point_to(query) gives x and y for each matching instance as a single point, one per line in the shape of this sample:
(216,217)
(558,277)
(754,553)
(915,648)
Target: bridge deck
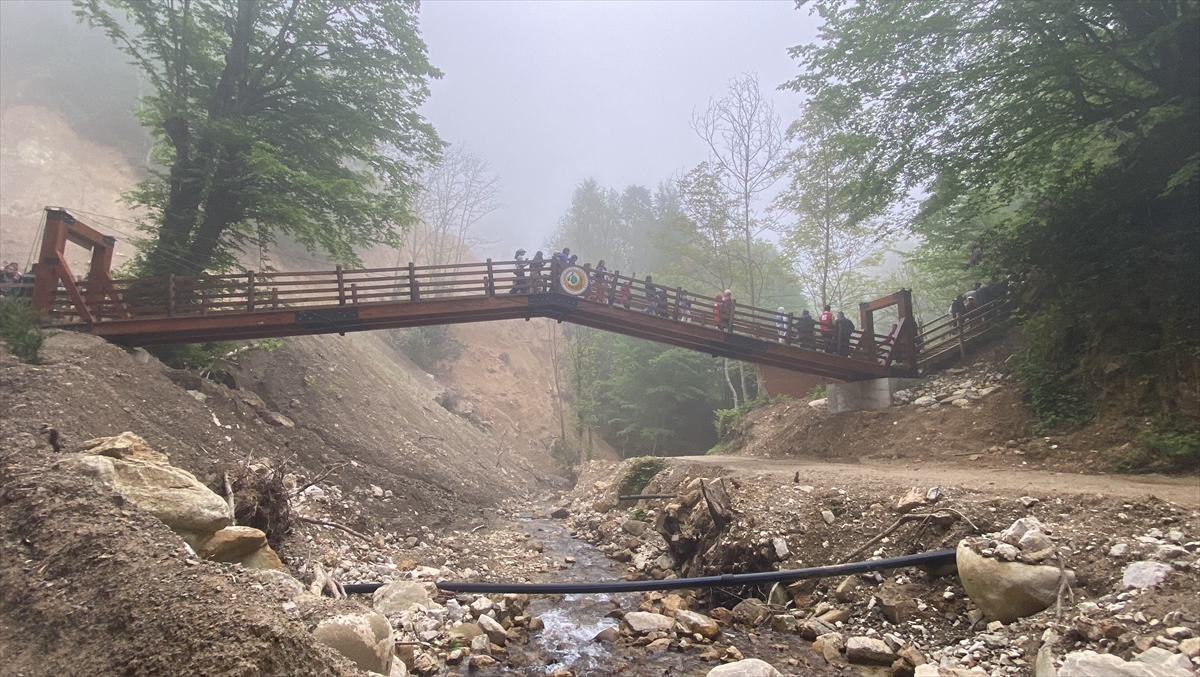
(156,311)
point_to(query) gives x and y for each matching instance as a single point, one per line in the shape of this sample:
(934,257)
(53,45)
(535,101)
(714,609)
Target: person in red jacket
(826,322)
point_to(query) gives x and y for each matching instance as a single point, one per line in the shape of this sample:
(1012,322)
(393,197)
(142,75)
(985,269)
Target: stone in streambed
(750,667)
(693,623)
(1006,591)
(643,622)
(869,650)
(398,596)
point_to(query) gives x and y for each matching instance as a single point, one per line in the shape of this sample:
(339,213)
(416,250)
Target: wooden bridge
(251,305)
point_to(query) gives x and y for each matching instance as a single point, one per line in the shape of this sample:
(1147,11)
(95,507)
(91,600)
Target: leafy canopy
(274,116)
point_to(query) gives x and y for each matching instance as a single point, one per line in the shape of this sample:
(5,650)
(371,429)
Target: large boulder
(398,596)
(750,667)
(171,494)
(1092,664)
(365,638)
(1006,591)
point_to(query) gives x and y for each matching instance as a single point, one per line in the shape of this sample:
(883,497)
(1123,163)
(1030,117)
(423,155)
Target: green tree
(274,117)
(656,400)
(1059,142)
(835,234)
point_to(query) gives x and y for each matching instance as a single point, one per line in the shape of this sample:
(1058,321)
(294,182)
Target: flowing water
(572,621)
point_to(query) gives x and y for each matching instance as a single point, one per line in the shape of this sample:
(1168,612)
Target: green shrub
(640,472)
(427,346)
(728,419)
(818,392)
(565,454)
(206,358)
(1048,370)
(19,330)
(1166,446)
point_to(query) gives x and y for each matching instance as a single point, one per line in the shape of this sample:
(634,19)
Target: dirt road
(1182,490)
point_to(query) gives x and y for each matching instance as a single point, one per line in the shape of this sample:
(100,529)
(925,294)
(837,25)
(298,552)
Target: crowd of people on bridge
(964,305)
(830,333)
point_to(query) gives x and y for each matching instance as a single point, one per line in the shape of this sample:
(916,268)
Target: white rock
(642,622)
(493,629)
(1034,540)
(815,404)
(1142,575)
(750,667)
(364,638)
(925,401)
(1159,656)
(1012,535)
(693,623)
(827,516)
(480,606)
(781,548)
(1092,664)
(869,650)
(171,494)
(398,596)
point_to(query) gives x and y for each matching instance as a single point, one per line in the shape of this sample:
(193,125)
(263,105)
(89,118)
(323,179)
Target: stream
(572,621)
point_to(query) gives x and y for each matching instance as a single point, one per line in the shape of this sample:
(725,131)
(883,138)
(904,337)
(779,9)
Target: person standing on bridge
(685,307)
(724,314)
(844,328)
(781,323)
(625,294)
(651,297)
(520,284)
(826,321)
(600,283)
(536,264)
(804,330)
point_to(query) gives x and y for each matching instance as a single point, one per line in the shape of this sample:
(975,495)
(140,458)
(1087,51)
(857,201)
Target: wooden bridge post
(341,283)
(250,292)
(489,287)
(612,287)
(171,295)
(414,294)
(275,298)
(354,293)
(675,313)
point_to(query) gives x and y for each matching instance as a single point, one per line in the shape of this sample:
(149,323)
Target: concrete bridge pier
(866,395)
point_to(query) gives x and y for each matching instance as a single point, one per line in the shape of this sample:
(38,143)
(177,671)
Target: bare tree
(746,146)
(454,194)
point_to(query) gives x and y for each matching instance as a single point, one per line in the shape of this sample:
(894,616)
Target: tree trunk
(742,375)
(729,382)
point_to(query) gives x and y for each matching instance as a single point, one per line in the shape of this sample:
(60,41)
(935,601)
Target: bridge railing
(945,334)
(254,291)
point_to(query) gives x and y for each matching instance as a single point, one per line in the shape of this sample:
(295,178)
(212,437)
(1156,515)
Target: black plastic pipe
(638,497)
(937,557)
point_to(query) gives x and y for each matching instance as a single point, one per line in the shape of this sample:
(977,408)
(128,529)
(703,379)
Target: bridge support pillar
(866,395)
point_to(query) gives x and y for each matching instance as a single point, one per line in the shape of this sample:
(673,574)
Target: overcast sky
(552,93)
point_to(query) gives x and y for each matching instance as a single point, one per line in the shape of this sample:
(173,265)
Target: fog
(553,93)
(550,93)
